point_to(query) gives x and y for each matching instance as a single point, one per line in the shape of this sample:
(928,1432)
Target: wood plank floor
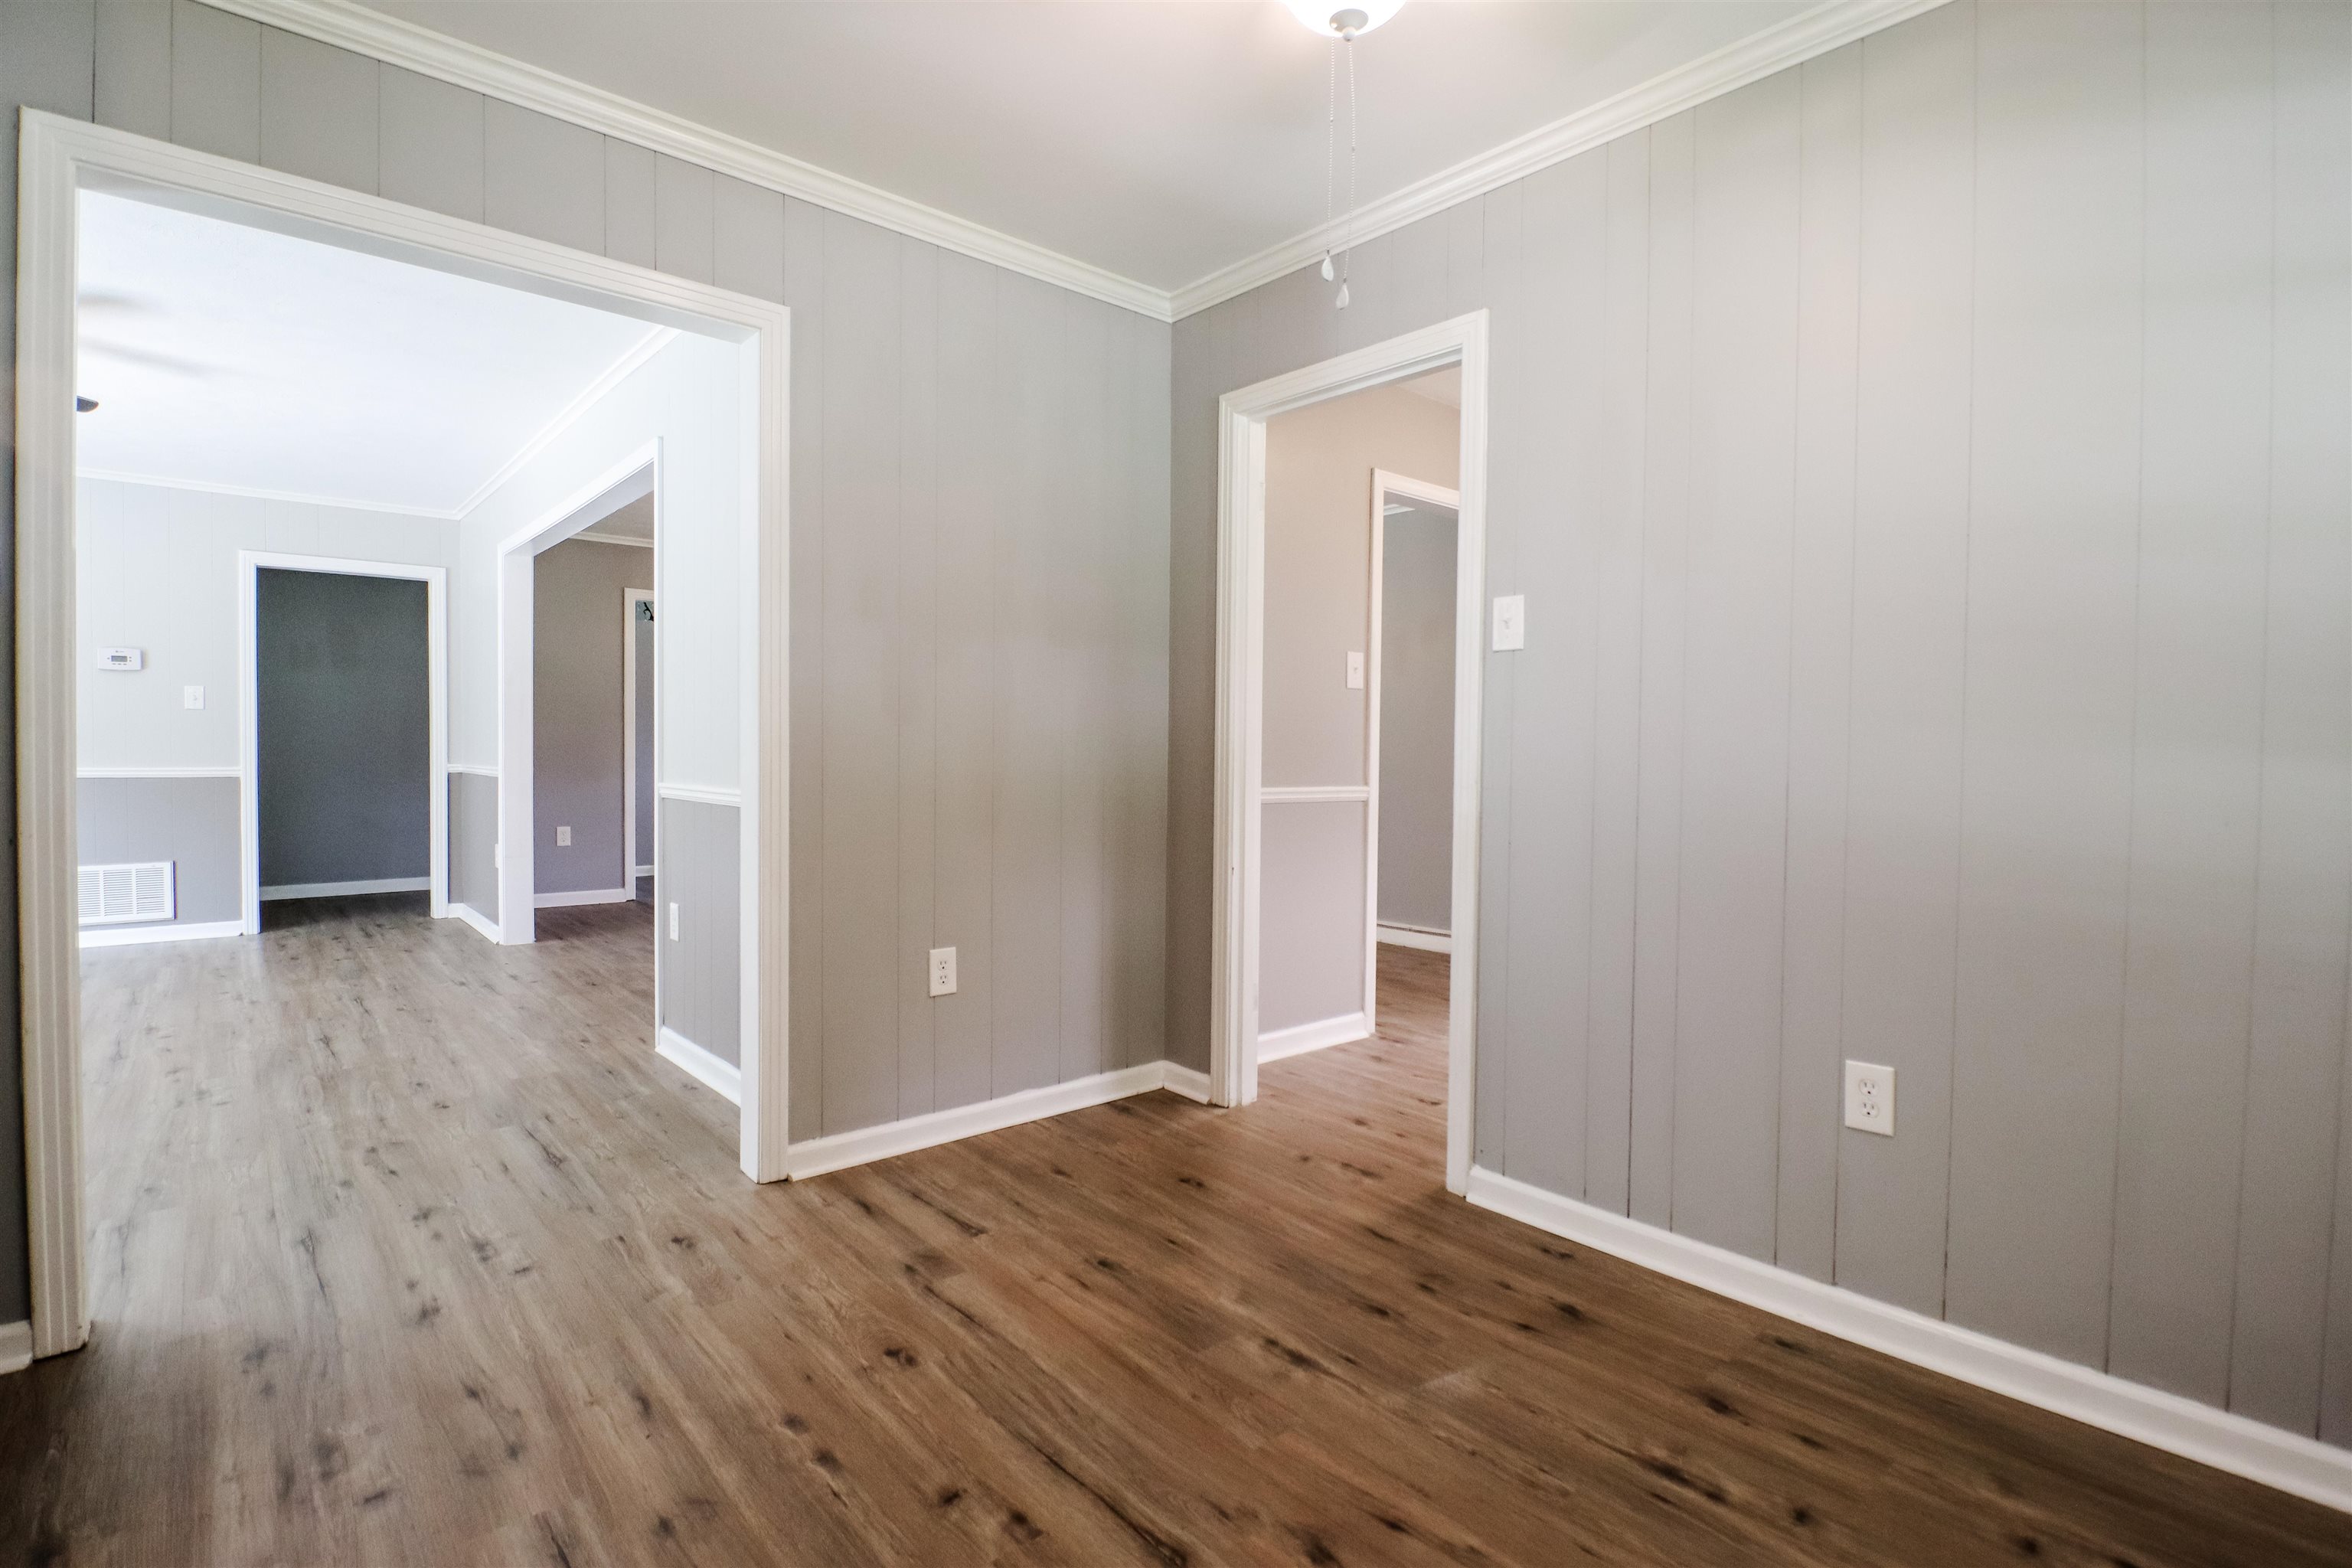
(408,1250)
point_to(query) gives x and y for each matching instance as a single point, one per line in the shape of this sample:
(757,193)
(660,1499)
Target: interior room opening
(1356,796)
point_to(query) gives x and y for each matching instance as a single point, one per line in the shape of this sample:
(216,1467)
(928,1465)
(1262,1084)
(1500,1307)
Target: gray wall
(969,448)
(1931,473)
(474,842)
(578,636)
(642,632)
(194,823)
(343,732)
(1417,573)
(701,972)
(1319,608)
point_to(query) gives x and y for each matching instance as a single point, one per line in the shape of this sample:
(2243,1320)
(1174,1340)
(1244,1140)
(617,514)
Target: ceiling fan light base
(1329,20)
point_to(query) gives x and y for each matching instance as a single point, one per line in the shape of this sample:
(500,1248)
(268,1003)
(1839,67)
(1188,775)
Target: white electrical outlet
(1869,1098)
(563,838)
(192,697)
(1510,623)
(1354,671)
(943,980)
(673,923)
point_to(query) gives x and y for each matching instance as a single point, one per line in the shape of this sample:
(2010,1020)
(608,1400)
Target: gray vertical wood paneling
(1029,694)
(543,176)
(318,113)
(1665,526)
(2197,724)
(1509,368)
(2294,1126)
(1619,470)
(1737,629)
(801,270)
(1820,645)
(632,205)
(859,474)
(1139,860)
(685,226)
(431,136)
(916,620)
(1560,224)
(1196,377)
(135,66)
(749,248)
(215,81)
(1910,565)
(1080,579)
(2046,778)
(968,658)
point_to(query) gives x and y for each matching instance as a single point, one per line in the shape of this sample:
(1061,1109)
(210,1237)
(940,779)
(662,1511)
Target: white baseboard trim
(2276,1458)
(134,936)
(346,889)
(478,920)
(1187,1081)
(819,1155)
(1414,936)
(15,1346)
(592,896)
(697,1063)
(1314,1036)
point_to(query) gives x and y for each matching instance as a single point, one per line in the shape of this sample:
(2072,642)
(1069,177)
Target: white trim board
(708,795)
(587,896)
(479,770)
(1300,1038)
(139,936)
(396,42)
(347,889)
(1313,795)
(704,1066)
(349,25)
(1414,937)
(473,917)
(229,773)
(15,1346)
(1189,1082)
(818,1155)
(2276,1458)
(1802,37)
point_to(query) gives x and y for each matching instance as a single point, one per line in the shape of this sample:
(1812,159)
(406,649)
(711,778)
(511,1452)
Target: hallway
(409,1251)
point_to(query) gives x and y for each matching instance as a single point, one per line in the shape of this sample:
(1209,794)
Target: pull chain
(1331,141)
(1348,236)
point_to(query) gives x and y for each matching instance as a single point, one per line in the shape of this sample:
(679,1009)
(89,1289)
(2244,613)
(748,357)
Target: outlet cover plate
(1869,1098)
(943,972)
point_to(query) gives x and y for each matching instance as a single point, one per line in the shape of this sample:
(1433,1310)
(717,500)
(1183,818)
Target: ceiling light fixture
(1343,27)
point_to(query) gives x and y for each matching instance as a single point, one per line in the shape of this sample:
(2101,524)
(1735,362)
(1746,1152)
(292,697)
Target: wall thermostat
(121,658)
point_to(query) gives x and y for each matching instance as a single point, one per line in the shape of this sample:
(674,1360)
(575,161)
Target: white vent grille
(117,895)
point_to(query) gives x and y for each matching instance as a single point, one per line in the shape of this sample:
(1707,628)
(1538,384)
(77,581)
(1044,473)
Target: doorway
(1252,650)
(345,728)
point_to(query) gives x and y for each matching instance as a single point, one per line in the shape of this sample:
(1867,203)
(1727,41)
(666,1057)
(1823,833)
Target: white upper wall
(689,397)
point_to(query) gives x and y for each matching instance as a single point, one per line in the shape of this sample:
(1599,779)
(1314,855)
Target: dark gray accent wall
(1417,606)
(474,842)
(577,662)
(343,728)
(701,971)
(968,446)
(1929,470)
(193,823)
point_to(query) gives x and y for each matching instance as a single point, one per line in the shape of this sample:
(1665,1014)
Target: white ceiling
(1161,140)
(232,358)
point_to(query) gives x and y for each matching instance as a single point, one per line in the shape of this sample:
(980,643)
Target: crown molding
(396,42)
(1800,38)
(256,492)
(619,370)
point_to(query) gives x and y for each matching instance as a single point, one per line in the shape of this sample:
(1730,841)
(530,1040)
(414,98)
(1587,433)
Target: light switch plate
(1510,623)
(563,838)
(942,970)
(1869,1098)
(192,697)
(1354,671)
(673,923)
